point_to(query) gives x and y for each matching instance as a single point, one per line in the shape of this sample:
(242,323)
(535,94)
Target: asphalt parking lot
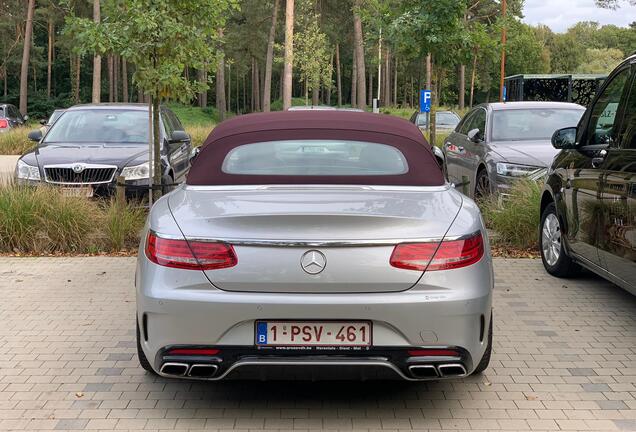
(564,359)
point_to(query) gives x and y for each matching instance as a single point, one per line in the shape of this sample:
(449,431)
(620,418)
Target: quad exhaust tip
(174,369)
(423,371)
(452,370)
(203,370)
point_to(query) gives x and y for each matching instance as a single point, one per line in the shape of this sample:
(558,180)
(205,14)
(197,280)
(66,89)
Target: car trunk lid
(314,239)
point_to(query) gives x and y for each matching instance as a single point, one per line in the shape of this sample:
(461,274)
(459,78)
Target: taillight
(446,255)
(433,352)
(4,123)
(190,255)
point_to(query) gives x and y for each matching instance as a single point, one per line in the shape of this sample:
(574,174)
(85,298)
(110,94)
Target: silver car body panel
(437,308)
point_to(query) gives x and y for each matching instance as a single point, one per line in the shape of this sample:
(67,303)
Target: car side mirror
(43,122)
(439,154)
(194,153)
(179,136)
(475,135)
(35,135)
(564,138)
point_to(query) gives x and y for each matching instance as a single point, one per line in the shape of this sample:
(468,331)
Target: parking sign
(425,101)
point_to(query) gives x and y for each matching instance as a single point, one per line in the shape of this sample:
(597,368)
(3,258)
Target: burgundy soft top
(315,124)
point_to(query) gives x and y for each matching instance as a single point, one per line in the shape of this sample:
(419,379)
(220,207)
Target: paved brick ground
(565,359)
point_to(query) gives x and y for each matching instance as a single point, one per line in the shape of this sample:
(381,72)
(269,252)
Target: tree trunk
(289,53)
(109,65)
(428,71)
(156,149)
(26,54)
(359,47)
(269,59)
(462,85)
(116,70)
(395,83)
(330,83)
(338,75)
(256,90)
(387,78)
(220,82)
(354,81)
(97,60)
(76,79)
(202,98)
(472,79)
(124,80)
(431,123)
(49,60)
(229,87)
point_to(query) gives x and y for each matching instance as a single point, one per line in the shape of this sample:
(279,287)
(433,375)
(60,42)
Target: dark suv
(85,151)
(10,117)
(588,208)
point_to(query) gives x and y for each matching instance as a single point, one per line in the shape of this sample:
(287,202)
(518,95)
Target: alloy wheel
(551,239)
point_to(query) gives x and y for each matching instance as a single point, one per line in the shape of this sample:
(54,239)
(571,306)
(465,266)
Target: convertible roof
(316,124)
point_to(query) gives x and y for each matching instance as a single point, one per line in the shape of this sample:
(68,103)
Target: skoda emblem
(78,168)
(313,262)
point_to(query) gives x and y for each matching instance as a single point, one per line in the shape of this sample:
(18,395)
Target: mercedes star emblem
(313,262)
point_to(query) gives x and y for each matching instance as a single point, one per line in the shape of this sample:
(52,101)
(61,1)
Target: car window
(465,123)
(628,130)
(601,127)
(315,158)
(532,124)
(421,119)
(446,119)
(167,123)
(2,113)
(176,123)
(119,126)
(478,121)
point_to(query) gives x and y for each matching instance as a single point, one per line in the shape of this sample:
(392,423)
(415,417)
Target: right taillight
(443,255)
(189,255)
(4,123)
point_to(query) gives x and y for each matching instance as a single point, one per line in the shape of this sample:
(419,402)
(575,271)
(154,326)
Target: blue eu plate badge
(261,333)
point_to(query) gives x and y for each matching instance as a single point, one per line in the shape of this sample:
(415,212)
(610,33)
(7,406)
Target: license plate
(313,333)
(79,191)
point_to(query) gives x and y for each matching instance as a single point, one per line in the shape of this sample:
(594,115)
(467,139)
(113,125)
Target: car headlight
(137,172)
(514,170)
(24,171)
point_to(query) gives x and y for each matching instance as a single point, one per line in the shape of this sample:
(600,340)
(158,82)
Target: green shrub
(40,220)
(122,226)
(15,141)
(515,218)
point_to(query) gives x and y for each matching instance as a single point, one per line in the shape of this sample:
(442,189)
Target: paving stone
(564,359)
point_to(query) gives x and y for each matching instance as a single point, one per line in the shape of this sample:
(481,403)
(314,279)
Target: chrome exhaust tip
(203,370)
(174,369)
(452,370)
(423,371)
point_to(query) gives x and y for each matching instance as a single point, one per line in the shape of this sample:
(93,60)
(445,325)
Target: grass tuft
(15,141)
(515,219)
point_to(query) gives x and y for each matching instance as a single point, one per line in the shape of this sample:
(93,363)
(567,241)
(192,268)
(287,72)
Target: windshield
(532,124)
(56,115)
(315,158)
(119,126)
(446,118)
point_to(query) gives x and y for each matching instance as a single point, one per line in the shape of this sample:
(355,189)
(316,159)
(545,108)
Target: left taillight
(4,123)
(189,255)
(445,255)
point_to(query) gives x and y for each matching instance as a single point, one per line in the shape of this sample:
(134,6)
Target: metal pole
(503,51)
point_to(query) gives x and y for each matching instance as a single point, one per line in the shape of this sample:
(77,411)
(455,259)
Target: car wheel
(553,254)
(482,185)
(167,181)
(485,359)
(143,361)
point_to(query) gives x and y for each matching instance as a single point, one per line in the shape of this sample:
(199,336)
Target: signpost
(425,101)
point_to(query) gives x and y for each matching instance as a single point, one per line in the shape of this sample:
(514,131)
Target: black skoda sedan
(89,146)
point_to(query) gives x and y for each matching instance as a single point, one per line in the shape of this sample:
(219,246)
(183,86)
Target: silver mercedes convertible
(314,245)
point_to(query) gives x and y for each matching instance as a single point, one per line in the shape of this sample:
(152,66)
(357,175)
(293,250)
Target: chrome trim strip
(314,243)
(294,187)
(86,166)
(372,362)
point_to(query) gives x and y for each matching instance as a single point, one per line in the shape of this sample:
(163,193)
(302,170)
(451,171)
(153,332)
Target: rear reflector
(189,255)
(4,123)
(433,353)
(193,351)
(446,255)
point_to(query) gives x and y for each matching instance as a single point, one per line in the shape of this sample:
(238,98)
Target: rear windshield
(532,124)
(315,158)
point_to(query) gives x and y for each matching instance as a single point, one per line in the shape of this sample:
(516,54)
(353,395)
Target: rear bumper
(445,309)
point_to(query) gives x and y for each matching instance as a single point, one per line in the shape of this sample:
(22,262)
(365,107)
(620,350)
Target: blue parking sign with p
(425,101)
